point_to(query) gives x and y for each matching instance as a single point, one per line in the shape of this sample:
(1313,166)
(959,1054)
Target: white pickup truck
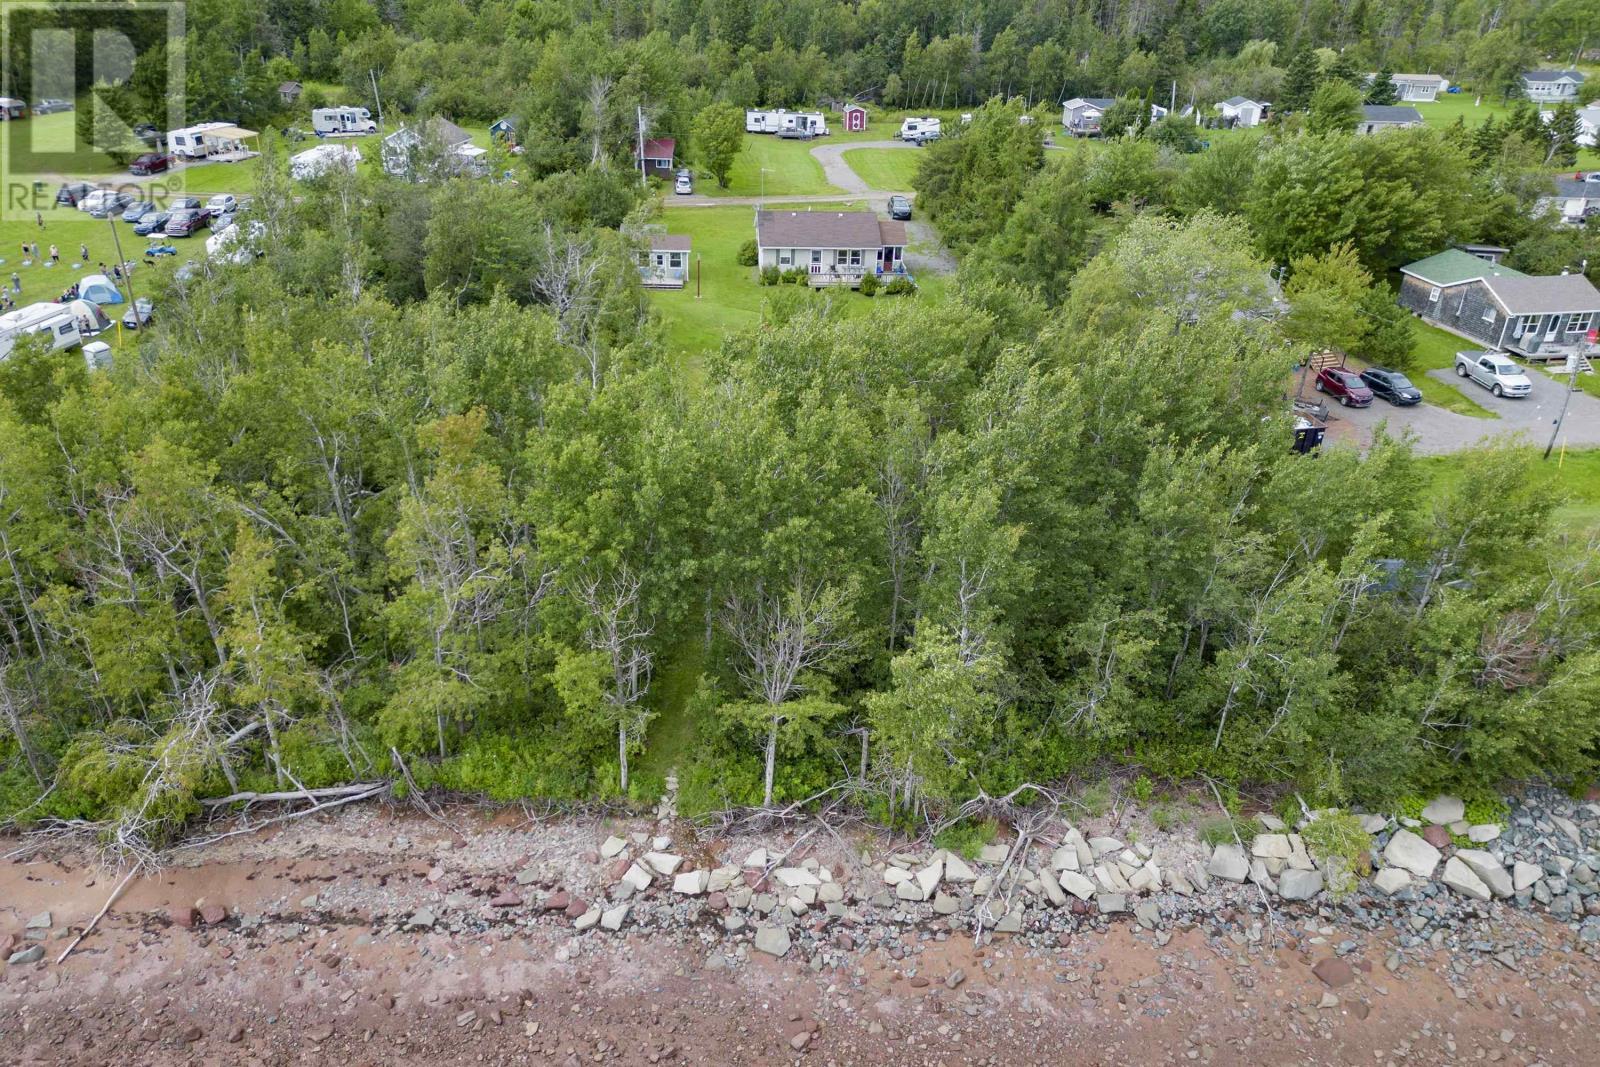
(1494,372)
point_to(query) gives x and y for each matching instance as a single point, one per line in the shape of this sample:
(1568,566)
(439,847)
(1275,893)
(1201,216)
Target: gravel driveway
(1439,431)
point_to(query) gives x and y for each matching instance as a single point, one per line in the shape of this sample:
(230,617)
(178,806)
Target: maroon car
(1344,384)
(152,163)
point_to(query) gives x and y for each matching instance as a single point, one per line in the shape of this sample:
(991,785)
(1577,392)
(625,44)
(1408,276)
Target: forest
(422,493)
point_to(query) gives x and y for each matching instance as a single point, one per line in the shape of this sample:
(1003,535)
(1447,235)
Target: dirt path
(378,937)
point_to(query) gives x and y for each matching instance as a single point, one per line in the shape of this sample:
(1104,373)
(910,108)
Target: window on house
(1433,295)
(1527,324)
(1488,314)
(785,257)
(816,257)
(1580,323)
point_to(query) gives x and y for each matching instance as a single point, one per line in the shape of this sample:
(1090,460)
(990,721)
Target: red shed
(855,118)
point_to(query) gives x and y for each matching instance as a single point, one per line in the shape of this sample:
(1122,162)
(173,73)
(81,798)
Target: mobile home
(53,320)
(342,120)
(191,142)
(777,120)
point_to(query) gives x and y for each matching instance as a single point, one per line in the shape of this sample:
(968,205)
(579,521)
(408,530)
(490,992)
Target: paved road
(1439,431)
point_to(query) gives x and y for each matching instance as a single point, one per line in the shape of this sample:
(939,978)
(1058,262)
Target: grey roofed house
(1573,200)
(1378,117)
(1539,318)
(1552,84)
(401,157)
(671,242)
(832,247)
(1235,101)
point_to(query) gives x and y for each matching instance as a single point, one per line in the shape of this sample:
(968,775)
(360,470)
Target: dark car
(137,210)
(185,203)
(72,192)
(184,224)
(152,163)
(110,205)
(1393,386)
(1344,384)
(49,106)
(899,207)
(152,222)
(139,314)
(148,133)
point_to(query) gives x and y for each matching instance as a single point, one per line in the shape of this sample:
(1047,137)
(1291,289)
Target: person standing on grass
(55,255)
(39,219)
(16,282)
(83,250)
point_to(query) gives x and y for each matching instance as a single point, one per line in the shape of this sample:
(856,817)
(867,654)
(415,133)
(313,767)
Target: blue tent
(100,289)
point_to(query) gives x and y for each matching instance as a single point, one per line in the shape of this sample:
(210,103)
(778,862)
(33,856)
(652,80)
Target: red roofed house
(657,157)
(855,118)
(834,247)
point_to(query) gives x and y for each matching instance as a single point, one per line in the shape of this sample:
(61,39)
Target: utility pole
(638,113)
(1572,385)
(376,99)
(125,270)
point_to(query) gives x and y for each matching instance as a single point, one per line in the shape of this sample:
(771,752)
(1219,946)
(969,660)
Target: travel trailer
(338,120)
(917,129)
(779,120)
(323,159)
(191,142)
(53,320)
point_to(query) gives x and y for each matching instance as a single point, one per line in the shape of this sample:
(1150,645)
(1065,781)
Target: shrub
(771,276)
(795,275)
(1096,799)
(1342,847)
(1164,818)
(966,837)
(1224,831)
(901,286)
(748,253)
(1143,789)
(869,284)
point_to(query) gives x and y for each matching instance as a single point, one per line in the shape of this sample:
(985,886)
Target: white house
(1239,111)
(1588,124)
(1574,201)
(1375,118)
(1081,115)
(1553,86)
(664,262)
(404,155)
(1416,88)
(833,247)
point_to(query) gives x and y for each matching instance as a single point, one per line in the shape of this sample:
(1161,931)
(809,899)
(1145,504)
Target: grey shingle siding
(1459,308)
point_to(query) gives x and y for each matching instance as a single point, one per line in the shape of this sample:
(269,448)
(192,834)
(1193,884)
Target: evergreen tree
(1302,79)
(1561,136)
(1486,141)
(1383,90)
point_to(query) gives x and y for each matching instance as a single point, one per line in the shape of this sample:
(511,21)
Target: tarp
(99,289)
(230,133)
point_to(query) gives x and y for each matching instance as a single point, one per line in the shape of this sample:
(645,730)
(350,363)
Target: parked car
(72,192)
(105,202)
(899,207)
(1344,385)
(222,204)
(185,203)
(1494,372)
(222,222)
(139,314)
(924,139)
(1393,386)
(49,105)
(152,163)
(148,133)
(186,222)
(137,210)
(1592,176)
(683,186)
(152,222)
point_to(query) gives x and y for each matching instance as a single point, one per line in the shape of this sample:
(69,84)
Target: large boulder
(1524,874)
(1444,810)
(1229,863)
(1408,851)
(773,940)
(1458,876)
(1489,870)
(1295,884)
(1271,847)
(1077,885)
(1391,880)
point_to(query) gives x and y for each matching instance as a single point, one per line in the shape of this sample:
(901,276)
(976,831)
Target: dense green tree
(1383,90)
(718,137)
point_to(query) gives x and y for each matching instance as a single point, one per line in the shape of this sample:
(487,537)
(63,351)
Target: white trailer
(55,321)
(342,120)
(812,122)
(915,129)
(191,142)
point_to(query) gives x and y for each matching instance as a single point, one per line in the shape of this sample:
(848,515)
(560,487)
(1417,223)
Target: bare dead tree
(617,630)
(595,102)
(16,697)
(569,277)
(781,635)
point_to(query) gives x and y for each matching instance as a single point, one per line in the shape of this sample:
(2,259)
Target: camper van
(337,120)
(926,128)
(191,142)
(53,320)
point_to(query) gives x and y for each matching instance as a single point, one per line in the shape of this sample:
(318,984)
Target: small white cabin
(342,120)
(55,321)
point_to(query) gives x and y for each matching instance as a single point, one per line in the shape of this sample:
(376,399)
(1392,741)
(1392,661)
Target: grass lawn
(790,170)
(69,229)
(1436,349)
(885,168)
(1574,477)
(730,297)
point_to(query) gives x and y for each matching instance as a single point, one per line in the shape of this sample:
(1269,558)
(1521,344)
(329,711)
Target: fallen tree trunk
(292,794)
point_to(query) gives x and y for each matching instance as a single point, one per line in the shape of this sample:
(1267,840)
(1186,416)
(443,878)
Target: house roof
(1098,102)
(512,121)
(289,87)
(1518,293)
(1552,75)
(1237,101)
(1571,188)
(670,242)
(1453,266)
(854,107)
(1430,79)
(660,148)
(826,229)
(1389,113)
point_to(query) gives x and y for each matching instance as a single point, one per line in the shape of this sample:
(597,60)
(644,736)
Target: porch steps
(1323,360)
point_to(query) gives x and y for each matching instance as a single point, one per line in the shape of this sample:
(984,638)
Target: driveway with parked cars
(1438,431)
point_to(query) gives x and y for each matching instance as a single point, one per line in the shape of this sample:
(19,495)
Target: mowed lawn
(890,169)
(789,170)
(1436,349)
(1572,477)
(731,299)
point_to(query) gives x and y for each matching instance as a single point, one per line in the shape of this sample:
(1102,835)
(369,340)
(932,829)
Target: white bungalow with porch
(664,264)
(833,247)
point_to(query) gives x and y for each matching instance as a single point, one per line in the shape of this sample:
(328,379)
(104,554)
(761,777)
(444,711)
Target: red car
(1344,384)
(152,163)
